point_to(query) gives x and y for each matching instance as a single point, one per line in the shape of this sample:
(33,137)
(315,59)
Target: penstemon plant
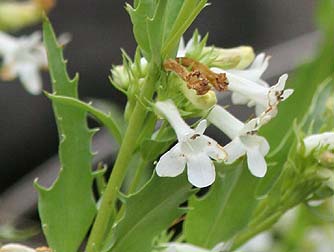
(280,158)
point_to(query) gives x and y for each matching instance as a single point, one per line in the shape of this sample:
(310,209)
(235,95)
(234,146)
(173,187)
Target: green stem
(120,167)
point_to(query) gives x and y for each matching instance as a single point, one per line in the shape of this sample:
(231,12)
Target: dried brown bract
(200,76)
(195,79)
(218,81)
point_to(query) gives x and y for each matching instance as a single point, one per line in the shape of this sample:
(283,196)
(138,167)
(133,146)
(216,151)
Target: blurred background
(28,136)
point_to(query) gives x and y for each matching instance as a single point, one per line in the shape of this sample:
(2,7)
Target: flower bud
(202,102)
(328,175)
(120,77)
(236,58)
(327,159)
(16,15)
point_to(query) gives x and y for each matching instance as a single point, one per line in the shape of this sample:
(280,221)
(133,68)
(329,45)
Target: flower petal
(256,163)
(183,247)
(234,150)
(281,82)
(286,94)
(172,163)
(237,98)
(201,127)
(201,171)
(30,78)
(213,149)
(259,109)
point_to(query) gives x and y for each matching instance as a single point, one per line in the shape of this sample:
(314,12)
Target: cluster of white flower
(195,149)
(24,57)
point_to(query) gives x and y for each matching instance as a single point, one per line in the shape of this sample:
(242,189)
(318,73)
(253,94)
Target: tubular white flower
(244,139)
(14,247)
(253,73)
(318,141)
(193,149)
(23,58)
(248,87)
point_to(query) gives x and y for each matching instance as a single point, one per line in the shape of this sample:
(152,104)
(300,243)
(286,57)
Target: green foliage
(158,25)
(68,207)
(305,82)
(148,214)
(159,143)
(106,119)
(225,210)
(321,113)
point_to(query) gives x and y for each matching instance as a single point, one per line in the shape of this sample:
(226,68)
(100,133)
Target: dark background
(99,28)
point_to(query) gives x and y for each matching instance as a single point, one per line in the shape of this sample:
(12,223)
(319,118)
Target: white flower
(319,140)
(244,139)
(260,243)
(193,149)
(253,73)
(23,58)
(248,88)
(13,247)
(185,247)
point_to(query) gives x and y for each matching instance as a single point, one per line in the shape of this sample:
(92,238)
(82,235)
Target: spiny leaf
(68,207)
(224,211)
(101,116)
(148,214)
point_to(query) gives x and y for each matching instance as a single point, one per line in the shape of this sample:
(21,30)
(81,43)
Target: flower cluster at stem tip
(204,76)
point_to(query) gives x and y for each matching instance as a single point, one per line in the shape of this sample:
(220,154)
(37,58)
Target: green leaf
(105,119)
(159,24)
(320,116)
(224,211)
(148,214)
(151,148)
(68,207)
(305,82)
(144,9)
(186,16)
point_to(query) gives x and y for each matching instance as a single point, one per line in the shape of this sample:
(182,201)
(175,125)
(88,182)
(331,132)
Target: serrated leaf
(148,214)
(224,211)
(68,207)
(143,10)
(105,119)
(161,23)
(305,82)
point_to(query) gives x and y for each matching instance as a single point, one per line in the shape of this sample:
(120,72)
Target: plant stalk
(117,176)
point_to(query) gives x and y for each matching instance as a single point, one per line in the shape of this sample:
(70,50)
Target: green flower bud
(120,77)
(237,58)
(326,159)
(16,15)
(328,175)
